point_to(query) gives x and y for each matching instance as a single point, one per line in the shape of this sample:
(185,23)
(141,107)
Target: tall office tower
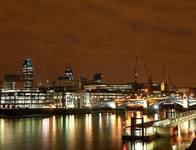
(98,77)
(27,74)
(68,73)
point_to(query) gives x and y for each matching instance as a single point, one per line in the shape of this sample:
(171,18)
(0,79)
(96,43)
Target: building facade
(27,74)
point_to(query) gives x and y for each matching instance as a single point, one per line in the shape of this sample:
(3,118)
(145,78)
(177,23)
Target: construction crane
(147,74)
(135,70)
(172,84)
(163,74)
(135,74)
(46,79)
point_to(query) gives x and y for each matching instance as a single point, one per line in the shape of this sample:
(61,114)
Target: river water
(101,131)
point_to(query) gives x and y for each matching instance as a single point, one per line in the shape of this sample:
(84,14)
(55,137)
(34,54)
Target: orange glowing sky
(100,36)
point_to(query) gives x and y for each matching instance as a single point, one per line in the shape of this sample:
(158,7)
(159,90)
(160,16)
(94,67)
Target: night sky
(100,36)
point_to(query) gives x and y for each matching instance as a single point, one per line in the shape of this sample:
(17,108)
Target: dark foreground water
(88,132)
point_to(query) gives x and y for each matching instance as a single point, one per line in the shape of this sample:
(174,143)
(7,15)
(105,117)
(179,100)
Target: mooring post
(132,126)
(142,128)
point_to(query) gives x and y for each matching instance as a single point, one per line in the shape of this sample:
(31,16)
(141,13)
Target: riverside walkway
(168,127)
(180,118)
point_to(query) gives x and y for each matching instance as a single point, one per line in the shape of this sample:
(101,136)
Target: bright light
(156,117)
(53,106)
(145,90)
(156,107)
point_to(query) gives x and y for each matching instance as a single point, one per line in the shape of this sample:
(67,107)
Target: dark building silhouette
(12,82)
(98,77)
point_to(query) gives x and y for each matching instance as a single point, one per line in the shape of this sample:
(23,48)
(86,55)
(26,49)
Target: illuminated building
(22,99)
(27,74)
(163,88)
(65,99)
(94,94)
(68,73)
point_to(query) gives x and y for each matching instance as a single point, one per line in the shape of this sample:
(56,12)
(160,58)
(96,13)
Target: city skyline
(101,37)
(97,74)
(42,76)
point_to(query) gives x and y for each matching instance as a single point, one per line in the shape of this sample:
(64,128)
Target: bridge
(161,128)
(180,118)
(185,102)
(167,127)
(141,102)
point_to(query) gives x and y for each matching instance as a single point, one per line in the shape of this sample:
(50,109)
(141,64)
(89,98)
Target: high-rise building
(98,77)
(68,73)
(12,82)
(27,74)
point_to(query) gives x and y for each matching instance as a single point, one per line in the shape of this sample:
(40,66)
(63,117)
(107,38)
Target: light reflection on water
(90,131)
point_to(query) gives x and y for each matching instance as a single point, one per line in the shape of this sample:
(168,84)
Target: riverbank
(25,113)
(45,112)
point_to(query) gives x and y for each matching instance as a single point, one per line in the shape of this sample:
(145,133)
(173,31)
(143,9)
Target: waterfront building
(27,74)
(65,99)
(97,94)
(22,99)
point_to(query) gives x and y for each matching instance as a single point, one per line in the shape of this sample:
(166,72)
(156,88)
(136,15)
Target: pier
(167,127)
(150,130)
(143,131)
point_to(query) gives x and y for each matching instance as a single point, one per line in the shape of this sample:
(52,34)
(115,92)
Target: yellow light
(162,86)
(146,90)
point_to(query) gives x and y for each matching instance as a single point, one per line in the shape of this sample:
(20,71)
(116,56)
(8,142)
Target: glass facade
(27,74)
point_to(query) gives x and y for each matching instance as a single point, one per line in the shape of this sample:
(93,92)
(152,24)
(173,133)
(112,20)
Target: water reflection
(185,134)
(90,131)
(45,132)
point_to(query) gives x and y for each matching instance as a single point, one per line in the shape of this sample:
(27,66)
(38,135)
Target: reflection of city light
(124,147)
(186,127)
(113,119)
(156,117)
(54,125)
(89,121)
(72,121)
(100,121)
(2,125)
(179,132)
(174,147)
(118,121)
(45,125)
(139,146)
(179,136)
(2,130)
(45,130)
(88,130)
(193,134)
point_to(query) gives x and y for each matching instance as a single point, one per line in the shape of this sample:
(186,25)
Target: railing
(180,118)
